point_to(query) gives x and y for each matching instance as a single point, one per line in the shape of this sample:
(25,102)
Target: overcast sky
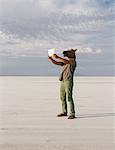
(28,28)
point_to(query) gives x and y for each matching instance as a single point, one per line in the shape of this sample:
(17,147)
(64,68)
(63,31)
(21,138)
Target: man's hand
(49,57)
(64,61)
(55,62)
(55,56)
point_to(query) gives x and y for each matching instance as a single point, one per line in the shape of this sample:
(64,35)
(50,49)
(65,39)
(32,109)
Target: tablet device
(51,52)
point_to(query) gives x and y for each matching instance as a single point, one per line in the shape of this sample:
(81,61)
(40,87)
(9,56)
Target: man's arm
(65,61)
(56,62)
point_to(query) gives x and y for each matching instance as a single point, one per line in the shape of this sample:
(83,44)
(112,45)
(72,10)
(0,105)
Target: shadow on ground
(95,115)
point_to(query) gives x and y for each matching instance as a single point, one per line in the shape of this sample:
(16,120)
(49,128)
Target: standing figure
(68,65)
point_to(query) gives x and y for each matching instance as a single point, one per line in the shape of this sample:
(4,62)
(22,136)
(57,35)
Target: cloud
(89,50)
(30,27)
(45,4)
(13,46)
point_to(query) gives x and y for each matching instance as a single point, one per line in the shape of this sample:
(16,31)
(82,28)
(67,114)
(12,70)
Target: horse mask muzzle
(69,53)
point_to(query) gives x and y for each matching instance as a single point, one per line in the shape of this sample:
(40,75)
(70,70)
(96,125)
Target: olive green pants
(66,90)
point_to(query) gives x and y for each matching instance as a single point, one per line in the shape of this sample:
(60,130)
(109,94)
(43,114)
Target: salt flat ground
(28,109)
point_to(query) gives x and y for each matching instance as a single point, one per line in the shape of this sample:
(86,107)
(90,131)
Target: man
(68,67)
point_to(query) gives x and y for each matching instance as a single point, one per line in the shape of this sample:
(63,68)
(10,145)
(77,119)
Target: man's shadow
(95,115)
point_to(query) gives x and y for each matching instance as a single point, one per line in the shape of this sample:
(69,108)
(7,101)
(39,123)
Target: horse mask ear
(74,50)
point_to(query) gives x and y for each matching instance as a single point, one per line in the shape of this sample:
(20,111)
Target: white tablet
(51,52)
